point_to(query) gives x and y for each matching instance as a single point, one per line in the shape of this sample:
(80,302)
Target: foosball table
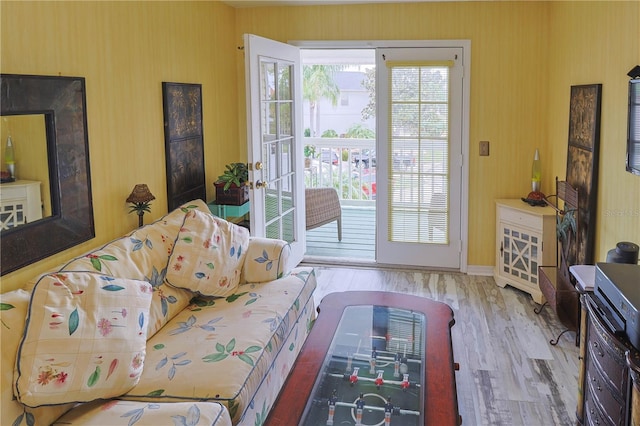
(373,358)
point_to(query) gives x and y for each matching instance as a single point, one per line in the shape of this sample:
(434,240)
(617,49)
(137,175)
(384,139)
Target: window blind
(418,147)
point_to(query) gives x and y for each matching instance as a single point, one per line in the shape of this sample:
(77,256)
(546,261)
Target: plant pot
(234,196)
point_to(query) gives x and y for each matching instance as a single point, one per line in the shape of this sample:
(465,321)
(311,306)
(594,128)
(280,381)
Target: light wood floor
(509,373)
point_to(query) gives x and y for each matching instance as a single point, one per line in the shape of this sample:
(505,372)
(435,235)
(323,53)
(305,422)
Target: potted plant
(309,153)
(231,186)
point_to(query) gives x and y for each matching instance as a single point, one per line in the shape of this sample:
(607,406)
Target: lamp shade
(140,194)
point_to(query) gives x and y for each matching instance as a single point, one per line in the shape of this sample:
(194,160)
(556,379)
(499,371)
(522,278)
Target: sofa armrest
(267,260)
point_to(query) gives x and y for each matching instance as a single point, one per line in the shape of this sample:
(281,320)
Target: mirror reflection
(25,197)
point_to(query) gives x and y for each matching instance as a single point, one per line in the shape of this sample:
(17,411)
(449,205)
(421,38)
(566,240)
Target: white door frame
(466,95)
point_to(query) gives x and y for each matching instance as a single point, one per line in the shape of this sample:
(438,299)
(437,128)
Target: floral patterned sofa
(186,321)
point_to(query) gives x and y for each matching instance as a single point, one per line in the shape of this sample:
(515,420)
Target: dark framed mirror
(61,101)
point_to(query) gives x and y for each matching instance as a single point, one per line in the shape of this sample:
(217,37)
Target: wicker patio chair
(322,207)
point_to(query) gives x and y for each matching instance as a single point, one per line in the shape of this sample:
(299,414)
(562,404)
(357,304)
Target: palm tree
(317,83)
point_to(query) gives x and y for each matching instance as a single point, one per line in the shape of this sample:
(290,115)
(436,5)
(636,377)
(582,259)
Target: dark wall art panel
(582,163)
(184,148)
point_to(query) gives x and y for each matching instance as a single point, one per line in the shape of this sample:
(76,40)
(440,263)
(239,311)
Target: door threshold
(368,264)
(338,261)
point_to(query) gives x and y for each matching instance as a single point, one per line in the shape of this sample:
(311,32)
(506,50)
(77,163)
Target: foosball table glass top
(373,371)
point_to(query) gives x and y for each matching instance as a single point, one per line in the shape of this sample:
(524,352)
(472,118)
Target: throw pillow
(84,339)
(208,255)
(13,311)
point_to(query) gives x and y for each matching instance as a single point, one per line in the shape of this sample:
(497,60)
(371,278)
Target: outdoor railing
(347,164)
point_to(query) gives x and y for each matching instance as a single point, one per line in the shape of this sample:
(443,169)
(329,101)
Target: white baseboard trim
(481,270)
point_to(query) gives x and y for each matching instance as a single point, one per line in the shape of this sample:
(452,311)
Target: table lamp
(140,198)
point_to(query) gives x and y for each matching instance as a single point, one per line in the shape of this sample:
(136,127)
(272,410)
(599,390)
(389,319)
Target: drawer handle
(597,348)
(593,413)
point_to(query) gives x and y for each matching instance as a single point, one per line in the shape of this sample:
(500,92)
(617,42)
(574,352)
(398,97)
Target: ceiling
(258,3)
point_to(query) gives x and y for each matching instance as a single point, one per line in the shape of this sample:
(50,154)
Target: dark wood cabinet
(605,392)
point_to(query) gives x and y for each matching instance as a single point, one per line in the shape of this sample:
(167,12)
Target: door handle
(258,165)
(260,184)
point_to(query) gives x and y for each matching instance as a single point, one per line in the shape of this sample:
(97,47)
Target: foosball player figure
(332,407)
(353,378)
(404,368)
(388,409)
(405,382)
(349,361)
(379,381)
(372,362)
(396,365)
(359,409)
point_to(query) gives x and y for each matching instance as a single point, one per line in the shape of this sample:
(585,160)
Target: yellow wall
(525,56)
(125,50)
(598,42)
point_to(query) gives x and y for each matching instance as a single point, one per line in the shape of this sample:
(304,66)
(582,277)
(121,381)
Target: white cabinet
(525,239)
(20,203)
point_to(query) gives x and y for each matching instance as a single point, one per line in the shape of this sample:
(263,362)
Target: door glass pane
(288,232)
(271,210)
(434,121)
(435,85)
(286,126)
(273,230)
(286,198)
(284,83)
(287,157)
(268,161)
(267,73)
(268,120)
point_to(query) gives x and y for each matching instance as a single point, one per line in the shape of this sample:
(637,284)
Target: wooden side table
(20,203)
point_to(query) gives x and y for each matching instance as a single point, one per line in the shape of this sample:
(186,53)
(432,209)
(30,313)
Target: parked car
(329,156)
(403,159)
(366,159)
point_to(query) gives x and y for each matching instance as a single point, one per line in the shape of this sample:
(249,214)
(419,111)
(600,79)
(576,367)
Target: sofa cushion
(143,255)
(234,340)
(85,338)
(208,255)
(14,306)
(117,412)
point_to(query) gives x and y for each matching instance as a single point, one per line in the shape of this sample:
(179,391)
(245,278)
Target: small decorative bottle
(536,172)
(9,158)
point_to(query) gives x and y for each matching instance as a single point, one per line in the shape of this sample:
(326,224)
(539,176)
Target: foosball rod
(367,379)
(374,408)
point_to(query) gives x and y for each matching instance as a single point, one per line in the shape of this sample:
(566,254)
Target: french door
(274,134)
(419,98)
